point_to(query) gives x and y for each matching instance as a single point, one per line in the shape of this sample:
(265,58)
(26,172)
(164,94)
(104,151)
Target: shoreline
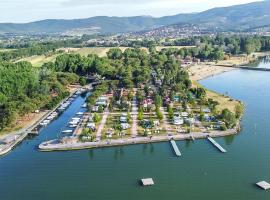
(205,70)
(54,145)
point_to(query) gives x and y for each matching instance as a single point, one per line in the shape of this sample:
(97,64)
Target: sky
(32,10)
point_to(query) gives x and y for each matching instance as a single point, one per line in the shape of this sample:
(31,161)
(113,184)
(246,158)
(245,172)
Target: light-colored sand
(202,71)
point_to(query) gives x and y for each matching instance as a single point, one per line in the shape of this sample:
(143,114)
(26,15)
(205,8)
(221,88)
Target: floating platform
(147,182)
(175,148)
(216,145)
(264,185)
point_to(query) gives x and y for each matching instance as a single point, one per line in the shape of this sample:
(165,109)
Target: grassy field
(224,101)
(3,50)
(159,48)
(102,51)
(38,61)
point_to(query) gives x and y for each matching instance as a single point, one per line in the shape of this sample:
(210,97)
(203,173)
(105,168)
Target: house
(190,120)
(184,114)
(147,102)
(125,126)
(123,118)
(102,101)
(91,125)
(158,82)
(207,117)
(206,110)
(177,119)
(95,108)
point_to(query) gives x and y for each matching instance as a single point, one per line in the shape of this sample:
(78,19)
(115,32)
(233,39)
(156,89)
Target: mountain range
(244,17)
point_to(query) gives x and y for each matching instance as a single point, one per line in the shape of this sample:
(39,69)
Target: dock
(264,185)
(216,145)
(147,182)
(175,148)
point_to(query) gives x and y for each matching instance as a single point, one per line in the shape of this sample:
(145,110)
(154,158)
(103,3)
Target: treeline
(23,89)
(31,49)
(232,44)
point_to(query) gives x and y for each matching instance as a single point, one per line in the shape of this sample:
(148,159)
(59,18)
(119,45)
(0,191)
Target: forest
(23,89)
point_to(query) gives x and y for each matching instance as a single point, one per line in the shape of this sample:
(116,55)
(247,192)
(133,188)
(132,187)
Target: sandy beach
(206,69)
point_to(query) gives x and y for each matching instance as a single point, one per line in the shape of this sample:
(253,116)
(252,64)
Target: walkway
(165,119)
(102,124)
(134,113)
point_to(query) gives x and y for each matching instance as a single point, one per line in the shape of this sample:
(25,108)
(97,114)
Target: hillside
(241,17)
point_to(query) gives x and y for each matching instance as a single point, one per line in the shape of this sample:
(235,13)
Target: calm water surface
(112,173)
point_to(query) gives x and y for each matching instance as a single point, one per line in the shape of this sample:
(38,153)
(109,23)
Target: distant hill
(234,18)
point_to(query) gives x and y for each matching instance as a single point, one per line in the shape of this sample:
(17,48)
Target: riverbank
(57,145)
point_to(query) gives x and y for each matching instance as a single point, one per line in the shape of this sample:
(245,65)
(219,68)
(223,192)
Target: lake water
(113,173)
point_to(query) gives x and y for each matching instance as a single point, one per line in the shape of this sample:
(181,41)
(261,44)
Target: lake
(113,173)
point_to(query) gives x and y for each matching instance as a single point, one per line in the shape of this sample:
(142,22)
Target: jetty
(216,145)
(175,148)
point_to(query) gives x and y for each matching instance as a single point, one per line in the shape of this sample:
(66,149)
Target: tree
(96,118)
(159,114)
(158,100)
(140,115)
(114,53)
(229,118)
(239,110)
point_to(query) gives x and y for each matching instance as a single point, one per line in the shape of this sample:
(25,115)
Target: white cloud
(31,10)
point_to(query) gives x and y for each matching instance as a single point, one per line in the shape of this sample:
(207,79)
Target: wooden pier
(175,148)
(216,145)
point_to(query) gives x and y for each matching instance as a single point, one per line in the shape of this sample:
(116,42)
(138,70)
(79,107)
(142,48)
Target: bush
(96,118)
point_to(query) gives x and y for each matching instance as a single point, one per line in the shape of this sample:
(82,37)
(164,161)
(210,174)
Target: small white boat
(75,118)
(84,105)
(79,113)
(45,123)
(72,126)
(67,131)
(74,123)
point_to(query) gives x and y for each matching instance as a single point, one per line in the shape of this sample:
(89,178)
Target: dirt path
(102,124)
(165,120)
